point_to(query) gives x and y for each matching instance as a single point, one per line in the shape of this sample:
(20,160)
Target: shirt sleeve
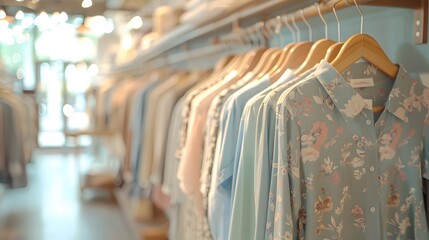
(263,165)
(225,155)
(243,207)
(190,163)
(288,193)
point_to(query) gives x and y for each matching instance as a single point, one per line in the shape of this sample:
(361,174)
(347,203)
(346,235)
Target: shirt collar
(404,98)
(350,103)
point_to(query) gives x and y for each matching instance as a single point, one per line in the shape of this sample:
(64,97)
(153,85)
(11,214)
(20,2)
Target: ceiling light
(20,0)
(97,24)
(77,22)
(86,3)
(2,14)
(109,26)
(19,15)
(64,17)
(136,22)
(42,20)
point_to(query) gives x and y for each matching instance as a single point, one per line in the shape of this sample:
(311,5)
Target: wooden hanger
(363,46)
(297,53)
(269,57)
(378,109)
(316,54)
(250,60)
(280,60)
(272,58)
(294,59)
(318,50)
(333,51)
(222,72)
(285,51)
(265,58)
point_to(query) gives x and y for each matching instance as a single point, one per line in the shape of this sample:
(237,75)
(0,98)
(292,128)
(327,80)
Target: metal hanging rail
(159,51)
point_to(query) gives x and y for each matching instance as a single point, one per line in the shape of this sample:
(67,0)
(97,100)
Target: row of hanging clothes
(18,135)
(316,140)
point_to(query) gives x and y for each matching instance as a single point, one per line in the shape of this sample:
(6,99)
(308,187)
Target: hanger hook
(275,28)
(286,21)
(297,28)
(361,16)
(260,28)
(338,20)
(323,20)
(268,28)
(244,39)
(251,42)
(253,34)
(278,30)
(310,29)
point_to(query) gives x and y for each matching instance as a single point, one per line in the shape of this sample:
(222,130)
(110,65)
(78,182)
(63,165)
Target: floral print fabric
(345,172)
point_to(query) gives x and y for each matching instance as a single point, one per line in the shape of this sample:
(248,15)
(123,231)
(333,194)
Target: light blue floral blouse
(345,172)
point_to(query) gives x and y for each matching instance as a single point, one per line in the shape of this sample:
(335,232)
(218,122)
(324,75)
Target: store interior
(135,119)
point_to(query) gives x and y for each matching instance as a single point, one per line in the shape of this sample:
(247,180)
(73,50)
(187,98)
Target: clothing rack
(421,8)
(239,36)
(161,50)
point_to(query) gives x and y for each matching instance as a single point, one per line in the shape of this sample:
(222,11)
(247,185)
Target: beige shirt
(163,116)
(190,165)
(146,158)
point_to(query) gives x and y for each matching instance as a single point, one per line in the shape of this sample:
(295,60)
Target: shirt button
(368,122)
(372,168)
(372,209)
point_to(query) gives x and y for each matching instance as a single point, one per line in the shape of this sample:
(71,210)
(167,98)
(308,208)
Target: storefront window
(53,54)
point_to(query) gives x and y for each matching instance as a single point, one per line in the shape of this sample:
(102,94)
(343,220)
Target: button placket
(371,177)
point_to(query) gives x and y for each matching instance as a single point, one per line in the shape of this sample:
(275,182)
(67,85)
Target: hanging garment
(170,186)
(222,161)
(345,172)
(264,151)
(138,121)
(244,221)
(15,156)
(210,81)
(163,115)
(147,148)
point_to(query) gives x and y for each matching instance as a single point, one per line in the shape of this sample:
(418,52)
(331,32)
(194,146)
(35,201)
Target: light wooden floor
(49,208)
